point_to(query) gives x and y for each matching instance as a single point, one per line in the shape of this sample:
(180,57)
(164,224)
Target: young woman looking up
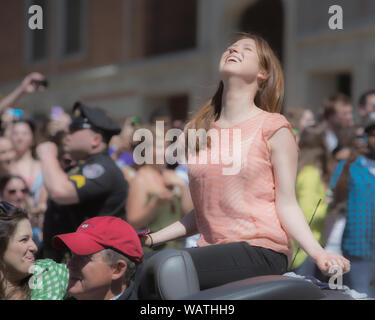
(246,220)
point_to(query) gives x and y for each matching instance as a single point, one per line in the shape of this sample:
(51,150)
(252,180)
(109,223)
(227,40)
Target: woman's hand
(47,149)
(164,196)
(145,240)
(28,84)
(173,181)
(331,263)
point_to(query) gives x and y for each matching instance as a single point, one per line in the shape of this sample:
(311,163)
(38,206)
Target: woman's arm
(25,87)
(284,159)
(141,208)
(171,180)
(309,190)
(186,201)
(183,228)
(60,189)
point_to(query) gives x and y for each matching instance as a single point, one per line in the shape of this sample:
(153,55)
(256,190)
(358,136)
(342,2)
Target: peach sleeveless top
(239,205)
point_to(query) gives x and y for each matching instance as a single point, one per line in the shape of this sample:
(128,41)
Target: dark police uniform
(101,187)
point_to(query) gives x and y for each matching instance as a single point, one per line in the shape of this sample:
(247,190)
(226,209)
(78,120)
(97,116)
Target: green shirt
(49,281)
(165,215)
(309,189)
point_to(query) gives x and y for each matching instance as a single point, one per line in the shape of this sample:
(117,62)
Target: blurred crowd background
(148,60)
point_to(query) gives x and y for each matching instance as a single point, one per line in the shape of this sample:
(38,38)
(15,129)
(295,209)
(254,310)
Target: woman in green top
(21,277)
(314,168)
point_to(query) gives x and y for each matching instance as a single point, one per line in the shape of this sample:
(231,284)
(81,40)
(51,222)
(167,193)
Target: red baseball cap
(100,233)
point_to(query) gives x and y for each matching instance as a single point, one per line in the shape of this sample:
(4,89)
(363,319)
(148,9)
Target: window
(344,83)
(170,26)
(255,15)
(72,27)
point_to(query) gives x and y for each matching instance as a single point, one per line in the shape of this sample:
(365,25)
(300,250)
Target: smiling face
(241,59)
(19,255)
(15,192)
(89,277)
(22,137)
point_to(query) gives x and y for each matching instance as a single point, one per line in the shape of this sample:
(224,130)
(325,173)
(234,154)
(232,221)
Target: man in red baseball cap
(105,253)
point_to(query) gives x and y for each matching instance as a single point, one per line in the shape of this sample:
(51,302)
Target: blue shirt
(359,233)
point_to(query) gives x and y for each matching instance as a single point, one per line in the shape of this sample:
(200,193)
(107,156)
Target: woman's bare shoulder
(147,175)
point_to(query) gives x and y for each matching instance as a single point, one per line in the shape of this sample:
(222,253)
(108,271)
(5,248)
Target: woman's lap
(223,263)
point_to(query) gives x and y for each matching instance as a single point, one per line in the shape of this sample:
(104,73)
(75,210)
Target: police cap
(85,117)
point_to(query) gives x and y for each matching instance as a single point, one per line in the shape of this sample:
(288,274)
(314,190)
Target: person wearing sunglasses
(93,187)
(22,277)
(13,189)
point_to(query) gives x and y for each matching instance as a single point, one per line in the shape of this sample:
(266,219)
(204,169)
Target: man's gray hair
(111,257)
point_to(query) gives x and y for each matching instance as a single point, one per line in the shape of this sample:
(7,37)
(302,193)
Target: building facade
(132,56)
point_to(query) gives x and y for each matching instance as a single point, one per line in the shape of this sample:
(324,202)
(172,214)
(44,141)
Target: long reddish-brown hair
(270,94)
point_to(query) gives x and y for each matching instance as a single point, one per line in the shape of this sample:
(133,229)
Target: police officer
(94,187)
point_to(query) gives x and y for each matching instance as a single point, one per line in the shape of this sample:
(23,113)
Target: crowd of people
(73,196)
(343,221)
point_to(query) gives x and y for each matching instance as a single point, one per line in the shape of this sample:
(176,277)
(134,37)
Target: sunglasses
(6,151)
(13,191)
(67,162)
(74,129)
(7,162)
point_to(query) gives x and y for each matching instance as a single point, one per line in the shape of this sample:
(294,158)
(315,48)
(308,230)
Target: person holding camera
(34,82)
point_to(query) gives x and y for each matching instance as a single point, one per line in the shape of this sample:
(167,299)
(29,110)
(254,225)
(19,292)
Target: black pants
(223,263)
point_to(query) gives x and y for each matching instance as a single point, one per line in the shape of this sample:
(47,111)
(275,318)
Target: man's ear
(97,140)
(119,269)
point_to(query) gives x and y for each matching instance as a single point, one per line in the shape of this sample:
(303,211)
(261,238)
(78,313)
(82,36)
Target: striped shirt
(240,206)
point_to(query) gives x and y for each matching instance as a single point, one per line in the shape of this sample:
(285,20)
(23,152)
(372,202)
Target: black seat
(171,275)
(167,275)
(273,287)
